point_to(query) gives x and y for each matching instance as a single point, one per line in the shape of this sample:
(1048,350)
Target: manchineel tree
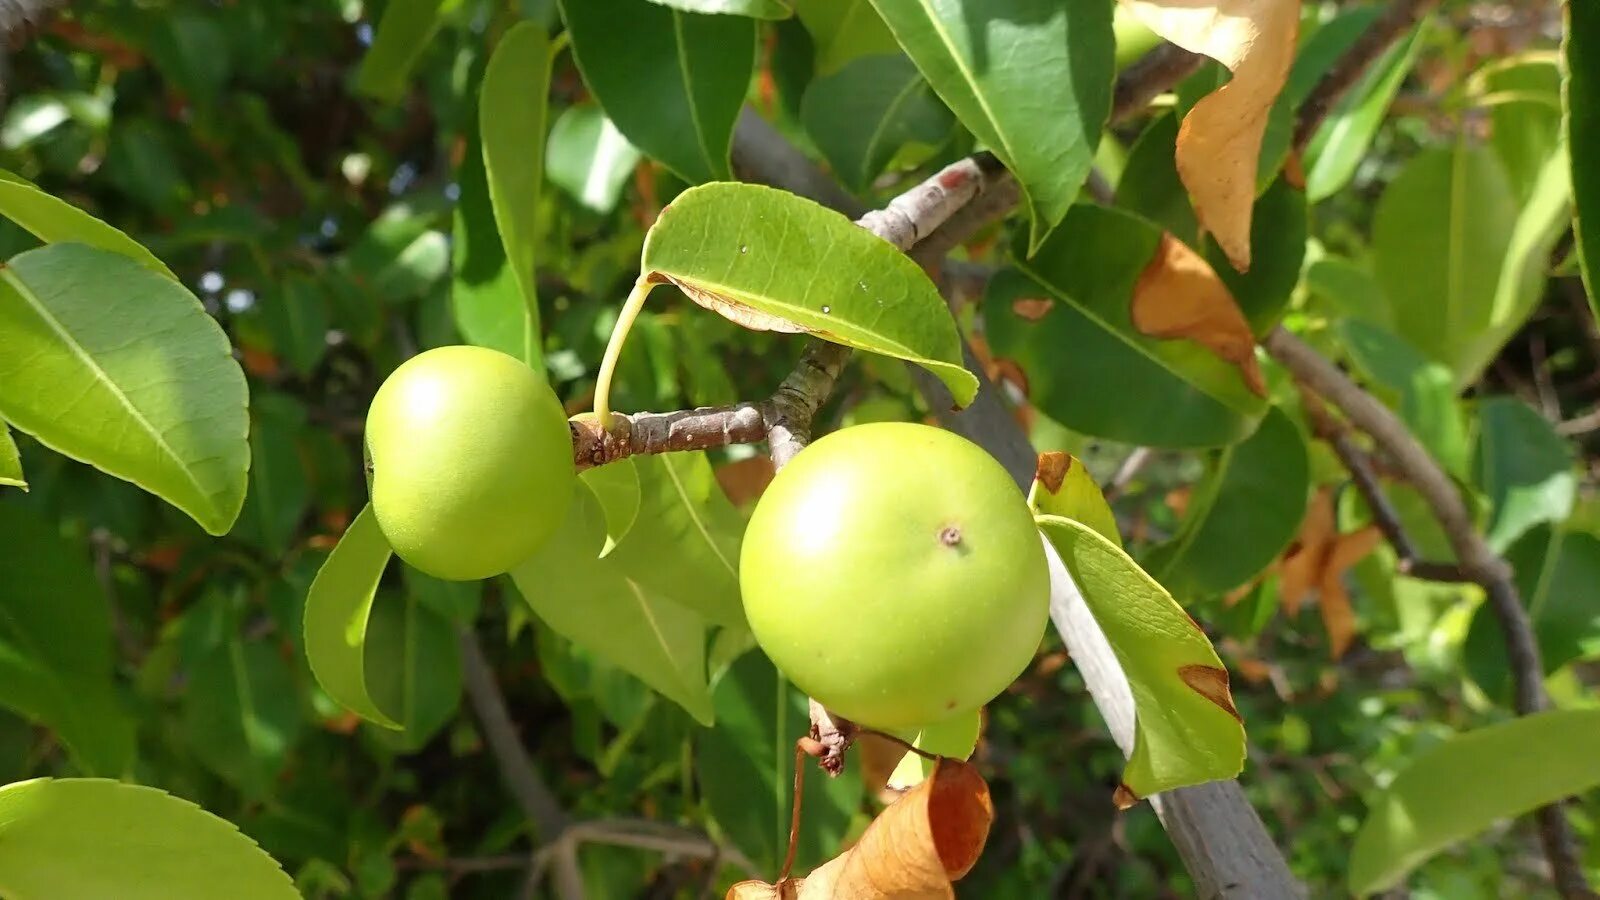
(1202,500)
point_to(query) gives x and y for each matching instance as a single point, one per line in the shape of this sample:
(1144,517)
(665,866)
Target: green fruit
(471,461)
(894,572)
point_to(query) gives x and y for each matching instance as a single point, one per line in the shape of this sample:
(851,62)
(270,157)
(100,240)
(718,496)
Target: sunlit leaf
(338,608)
(53,220)
(1524,467)
(485,299)
(1062,486)
(954,738)
(589,158)
(755,9)
(1341,142)
(10,460)
(616,485)
(107,362)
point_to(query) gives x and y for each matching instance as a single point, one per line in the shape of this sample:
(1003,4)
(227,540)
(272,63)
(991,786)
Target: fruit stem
(619,335)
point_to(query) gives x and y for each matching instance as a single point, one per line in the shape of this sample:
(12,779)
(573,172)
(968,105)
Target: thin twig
(1398,19)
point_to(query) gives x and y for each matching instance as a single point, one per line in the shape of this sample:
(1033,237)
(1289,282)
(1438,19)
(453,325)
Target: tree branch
(1378,38)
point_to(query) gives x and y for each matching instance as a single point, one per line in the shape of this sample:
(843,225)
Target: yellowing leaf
(1219,142)
(912,851)
(1179,295)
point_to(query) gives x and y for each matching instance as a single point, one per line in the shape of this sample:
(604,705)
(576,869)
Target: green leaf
(1558,578)
(1278,231)
(414,669)
(1189,396)
(1031,79)
(1425,390)
(10,460)
(755,9)
(1062,486)
(684,540)
(842,30)
(1186,729)
(869,111)
(616,486)
(511,115)
(88,837)
(1242,516)
(55,643)
(745,770)
(112,364)
(1524,467)
(402,35)
(1350,289)
(338,608)
(56,221)
(1342,141)
(1150,185)
(589,158)
(296,316)
(1426,808)
(279,489)
(1525,115)
(590,602)
(1580,103)
(770,260)
(672,81)
(484,295)
(242,713)
(401,255)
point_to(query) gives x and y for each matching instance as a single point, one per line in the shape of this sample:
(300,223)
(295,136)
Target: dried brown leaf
(1219,142)
(732,310)
(1303,563)
(1333,601)
(1179,295)
(744,480)
(1032,308)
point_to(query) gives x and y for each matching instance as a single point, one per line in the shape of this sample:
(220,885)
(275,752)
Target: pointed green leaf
(242,713)
(511,115)
(1031,79)
(1580,101)
(770,260)
(1426,808)
(672,81)
(485,298)
(1341,142)
(1242,516)
(55,643)
(865,114)
(85,837)
(10,460)
(590,602)
(589,158)
(684,540)
(56,221)
(296,316)
(108,362)
(755,9)
(402,35)
(616,486)
(1524,467)
(1062,486)
(1087,271)
(338,607)
(1186,729)
(414,668)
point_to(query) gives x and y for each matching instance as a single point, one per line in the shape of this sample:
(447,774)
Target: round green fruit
(894,572)
(471,461)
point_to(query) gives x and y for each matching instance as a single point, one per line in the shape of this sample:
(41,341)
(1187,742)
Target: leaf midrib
(688,91)
(694,516)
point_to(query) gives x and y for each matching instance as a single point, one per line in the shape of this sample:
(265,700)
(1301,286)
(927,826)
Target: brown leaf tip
(1032,308)
(1211,683)
(1051,470)
(1124,797)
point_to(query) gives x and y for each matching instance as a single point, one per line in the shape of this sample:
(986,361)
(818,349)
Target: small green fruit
(471,461)
(894,572)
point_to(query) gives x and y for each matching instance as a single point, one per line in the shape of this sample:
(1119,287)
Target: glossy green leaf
(338,608)
(1459,788)
(1031,79)
(88,837)
(296,316)
(107,362)
(1558,578)
(672,81)
(484,295)
(591,602)
(869,111)
(55,643)
(401,36)
(53,221)
(744,768)
(1580,103)
(684,540)
(770,260)
(1342,141)
(10,460)
(1088,269)
(414,669)
(1062,486)
(1524,467)
(1424,391)
(616,485)
(242,713)
(512,106)
(843,30)
(1186,729)
(755,9)
(1242,516)
(589,158)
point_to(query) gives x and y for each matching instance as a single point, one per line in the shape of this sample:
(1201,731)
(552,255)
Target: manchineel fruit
(471,461)
(894,572)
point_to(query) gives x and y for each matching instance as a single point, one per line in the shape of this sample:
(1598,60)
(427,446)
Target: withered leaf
(1178,295)
(1219,143)
(1301,567)
(740,314)
(744,480)
(1333,601)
